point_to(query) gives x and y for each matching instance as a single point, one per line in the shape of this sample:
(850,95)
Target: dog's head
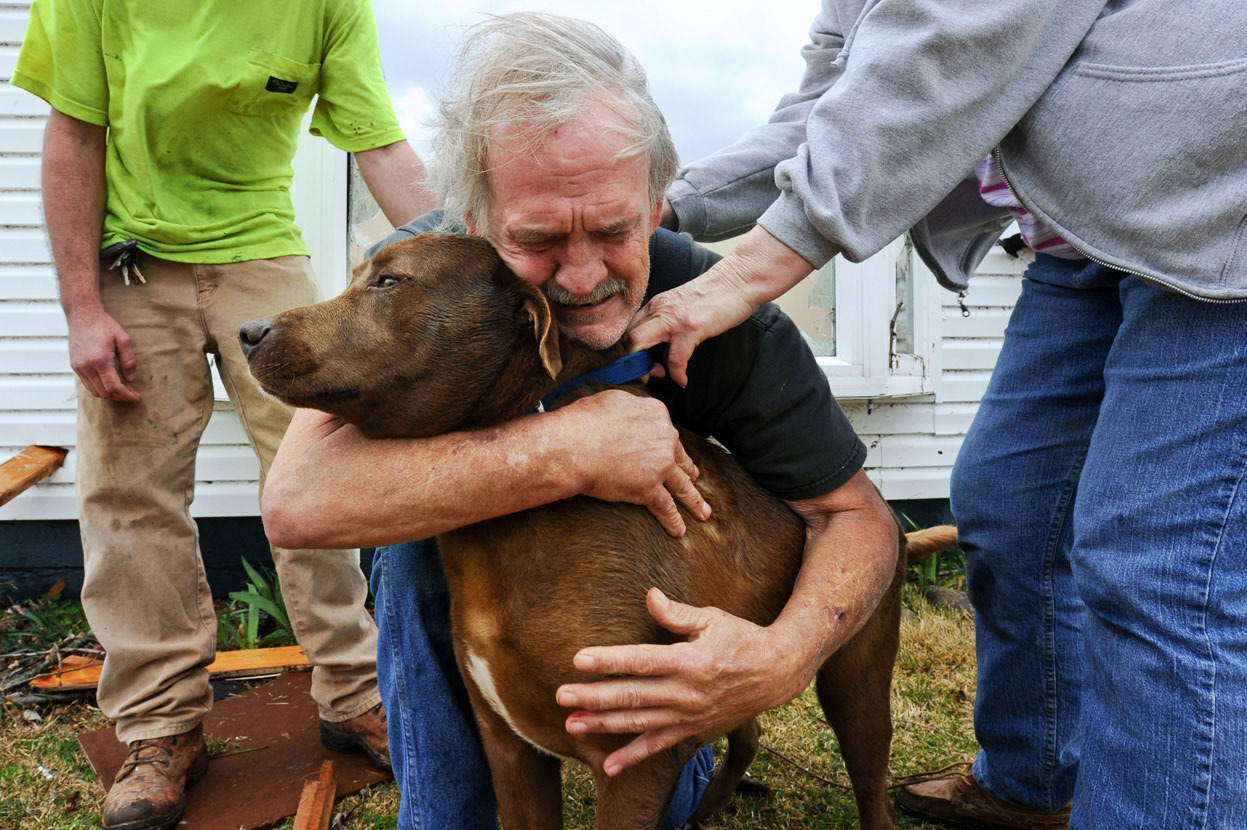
(433,334)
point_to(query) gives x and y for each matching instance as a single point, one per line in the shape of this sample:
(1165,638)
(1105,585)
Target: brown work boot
(149,792)
(364,733)
(959,801)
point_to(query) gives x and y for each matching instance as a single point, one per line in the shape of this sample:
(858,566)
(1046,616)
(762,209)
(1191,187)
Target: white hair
(534,72)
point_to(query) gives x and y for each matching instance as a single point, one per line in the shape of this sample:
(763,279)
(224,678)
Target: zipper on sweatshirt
(996,154)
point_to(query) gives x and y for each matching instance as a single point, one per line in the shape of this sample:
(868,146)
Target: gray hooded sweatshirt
(1122,124)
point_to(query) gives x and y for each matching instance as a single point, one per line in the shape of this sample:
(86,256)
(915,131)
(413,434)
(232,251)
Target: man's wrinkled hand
(728,671)
(632,453)
(102,356)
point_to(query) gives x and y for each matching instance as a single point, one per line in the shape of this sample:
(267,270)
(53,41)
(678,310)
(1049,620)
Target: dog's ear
(535,311)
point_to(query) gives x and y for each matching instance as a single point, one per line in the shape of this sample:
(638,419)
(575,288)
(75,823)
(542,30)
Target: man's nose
(580,268)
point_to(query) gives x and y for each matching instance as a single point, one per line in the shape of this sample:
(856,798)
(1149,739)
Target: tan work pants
(145,592)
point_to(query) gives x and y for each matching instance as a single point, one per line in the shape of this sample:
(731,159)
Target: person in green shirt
(172,131)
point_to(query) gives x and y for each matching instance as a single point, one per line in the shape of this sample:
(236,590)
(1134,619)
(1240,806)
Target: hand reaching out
(759,270)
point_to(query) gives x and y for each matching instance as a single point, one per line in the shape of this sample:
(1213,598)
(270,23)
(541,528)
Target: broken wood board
(316,803)
(27,468)
(258,780)
(77,672)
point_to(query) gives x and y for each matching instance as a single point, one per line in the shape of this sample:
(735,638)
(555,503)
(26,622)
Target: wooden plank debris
(316,802)
(78,672)
(27,468)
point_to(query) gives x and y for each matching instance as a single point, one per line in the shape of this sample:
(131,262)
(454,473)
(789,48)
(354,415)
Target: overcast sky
(715,68)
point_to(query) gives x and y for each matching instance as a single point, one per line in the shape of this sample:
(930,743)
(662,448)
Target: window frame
(866,300)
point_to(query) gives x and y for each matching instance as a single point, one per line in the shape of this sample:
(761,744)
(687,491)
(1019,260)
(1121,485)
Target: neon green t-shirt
(203,103)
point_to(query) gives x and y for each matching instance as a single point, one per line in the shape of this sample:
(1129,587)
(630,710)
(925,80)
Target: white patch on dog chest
(479,671)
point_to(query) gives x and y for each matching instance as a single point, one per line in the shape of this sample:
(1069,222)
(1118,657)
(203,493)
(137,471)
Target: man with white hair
(551,148)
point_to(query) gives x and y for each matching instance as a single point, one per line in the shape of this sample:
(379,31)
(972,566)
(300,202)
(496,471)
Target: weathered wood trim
(27,468)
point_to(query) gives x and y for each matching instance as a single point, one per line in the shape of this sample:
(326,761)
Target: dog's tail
(919,544)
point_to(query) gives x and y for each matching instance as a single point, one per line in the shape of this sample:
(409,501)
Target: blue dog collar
(624,370)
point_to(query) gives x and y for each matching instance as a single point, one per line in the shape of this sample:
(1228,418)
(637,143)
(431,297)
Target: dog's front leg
(638,797)
(527,782)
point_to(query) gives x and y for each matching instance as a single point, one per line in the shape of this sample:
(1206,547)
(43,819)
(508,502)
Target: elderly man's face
(576,220)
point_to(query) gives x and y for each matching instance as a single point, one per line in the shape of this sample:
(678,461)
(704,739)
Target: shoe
(365,733)
(959,801)
(149,792)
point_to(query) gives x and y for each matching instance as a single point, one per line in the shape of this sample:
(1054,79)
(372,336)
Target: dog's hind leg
(742,747)
(854,688)
(638,797)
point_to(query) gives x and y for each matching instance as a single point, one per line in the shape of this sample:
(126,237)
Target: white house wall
(912,442)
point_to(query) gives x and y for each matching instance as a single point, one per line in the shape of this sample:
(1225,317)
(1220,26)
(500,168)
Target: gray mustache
(611,285)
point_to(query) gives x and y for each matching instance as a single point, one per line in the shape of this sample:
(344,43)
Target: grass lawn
(46,783)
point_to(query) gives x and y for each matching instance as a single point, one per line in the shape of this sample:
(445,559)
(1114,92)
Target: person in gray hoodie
(1099,493)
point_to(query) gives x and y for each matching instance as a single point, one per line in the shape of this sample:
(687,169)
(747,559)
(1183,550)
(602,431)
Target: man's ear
(535,311)
(655,218)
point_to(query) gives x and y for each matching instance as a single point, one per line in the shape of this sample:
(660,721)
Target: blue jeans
(439,764)
(1099,499)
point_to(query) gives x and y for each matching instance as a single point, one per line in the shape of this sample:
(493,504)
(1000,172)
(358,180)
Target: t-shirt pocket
(271,84)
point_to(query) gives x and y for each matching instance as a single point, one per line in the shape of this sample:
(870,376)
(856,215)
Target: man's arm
(396,177)
(73,208)
(730,668)
(330,486)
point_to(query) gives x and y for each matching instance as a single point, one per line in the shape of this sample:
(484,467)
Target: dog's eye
(387,281)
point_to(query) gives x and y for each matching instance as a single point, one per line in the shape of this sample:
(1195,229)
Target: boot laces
(157,752)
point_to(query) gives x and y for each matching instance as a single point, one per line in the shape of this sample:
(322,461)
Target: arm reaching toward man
(396,178)
(759,270)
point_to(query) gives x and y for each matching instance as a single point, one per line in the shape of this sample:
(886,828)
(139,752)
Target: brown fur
(461,343)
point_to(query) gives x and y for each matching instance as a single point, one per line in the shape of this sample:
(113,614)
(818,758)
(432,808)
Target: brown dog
(456,341)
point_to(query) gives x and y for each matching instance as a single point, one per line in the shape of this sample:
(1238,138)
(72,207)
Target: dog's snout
(252,333)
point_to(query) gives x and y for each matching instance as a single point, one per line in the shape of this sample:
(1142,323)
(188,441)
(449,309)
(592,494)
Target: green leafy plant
(256,617)
(36,634)
(41,623)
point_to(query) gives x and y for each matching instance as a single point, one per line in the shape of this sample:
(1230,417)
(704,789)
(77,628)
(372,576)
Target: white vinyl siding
(913,442)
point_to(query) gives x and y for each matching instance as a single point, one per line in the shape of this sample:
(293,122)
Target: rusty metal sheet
(259,788)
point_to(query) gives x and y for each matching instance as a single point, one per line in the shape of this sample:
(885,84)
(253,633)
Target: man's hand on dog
(635,455)
(728,671)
